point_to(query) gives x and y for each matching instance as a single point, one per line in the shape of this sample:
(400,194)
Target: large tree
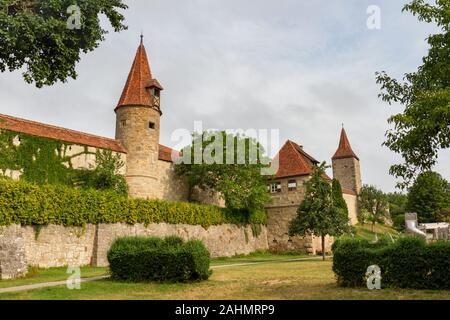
(429,197)
(322,212)
(37,35)
(373,205)
(423,128)
(229,165)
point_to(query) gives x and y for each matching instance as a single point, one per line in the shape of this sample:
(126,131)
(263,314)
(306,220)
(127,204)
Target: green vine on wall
(40,160)
(46,161)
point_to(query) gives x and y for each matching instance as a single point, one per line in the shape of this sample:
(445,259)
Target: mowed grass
(307,279)
(364,231)
(257,257)
(36,275)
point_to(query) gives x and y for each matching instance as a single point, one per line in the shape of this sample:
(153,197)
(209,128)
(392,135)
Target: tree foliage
(373,205)
(239,180)
(34,35)
(338,198)
(423,128)
(105,175)
(429,197)
(397,209)
(322,212)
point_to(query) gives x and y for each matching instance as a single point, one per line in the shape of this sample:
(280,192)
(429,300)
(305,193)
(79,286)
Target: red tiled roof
(52,132)
(139,79)
(57,133)
(165,153)
(293,161)
(349,191)
(345,149)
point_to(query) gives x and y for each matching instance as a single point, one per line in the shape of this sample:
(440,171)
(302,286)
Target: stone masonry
(13,262)
(57,246)
(281,211)
(348,172)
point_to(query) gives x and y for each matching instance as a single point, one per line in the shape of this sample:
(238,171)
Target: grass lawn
(364,231)
(49,275)
(308,279)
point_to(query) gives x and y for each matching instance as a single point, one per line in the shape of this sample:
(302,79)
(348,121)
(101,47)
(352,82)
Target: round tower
(138,116)
(346,167)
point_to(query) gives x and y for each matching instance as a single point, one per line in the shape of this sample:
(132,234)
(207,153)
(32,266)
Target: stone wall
(56,246)
(352,205)
(279,240)
(13,262)
(169,186)
(280,212)
(222,241)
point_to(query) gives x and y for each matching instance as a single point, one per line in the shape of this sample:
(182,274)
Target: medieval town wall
(56,246)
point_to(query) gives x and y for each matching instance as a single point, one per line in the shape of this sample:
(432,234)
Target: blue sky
(304,67)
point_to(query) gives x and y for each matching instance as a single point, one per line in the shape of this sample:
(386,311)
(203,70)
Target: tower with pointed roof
(346,166)
(138,114)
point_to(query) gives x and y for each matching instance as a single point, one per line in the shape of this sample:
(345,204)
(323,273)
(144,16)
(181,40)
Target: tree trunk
(323,247)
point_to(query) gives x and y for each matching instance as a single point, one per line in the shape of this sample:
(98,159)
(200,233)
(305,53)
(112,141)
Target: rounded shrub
(153,259)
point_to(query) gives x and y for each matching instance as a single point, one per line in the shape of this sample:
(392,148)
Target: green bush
(29,204)
(153,259)
(408,263)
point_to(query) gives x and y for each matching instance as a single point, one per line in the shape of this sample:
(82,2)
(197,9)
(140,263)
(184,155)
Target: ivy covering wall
(46,161)
(39,159)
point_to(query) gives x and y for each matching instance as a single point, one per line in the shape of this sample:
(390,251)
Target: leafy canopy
(397,208)
(229,165)
(373,205)
(423,128)
(323,211)
(34,35)
(429,197)
(105,175)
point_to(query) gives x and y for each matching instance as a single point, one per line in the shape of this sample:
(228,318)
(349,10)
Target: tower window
(151,125)
(292,185)
(123,123)
(275,187)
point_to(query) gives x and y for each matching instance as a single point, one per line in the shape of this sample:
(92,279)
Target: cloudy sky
(303,67)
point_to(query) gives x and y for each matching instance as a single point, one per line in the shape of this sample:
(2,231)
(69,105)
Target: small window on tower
(123,123)
(292,185)
(157,93)
(275,187)
(151,125)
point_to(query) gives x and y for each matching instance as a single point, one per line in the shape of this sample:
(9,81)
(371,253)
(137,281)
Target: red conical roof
(293,161)
(345,149)
(139,79)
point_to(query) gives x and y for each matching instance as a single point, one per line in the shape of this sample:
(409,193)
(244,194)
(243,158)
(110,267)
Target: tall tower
(346,167)
(138,126)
